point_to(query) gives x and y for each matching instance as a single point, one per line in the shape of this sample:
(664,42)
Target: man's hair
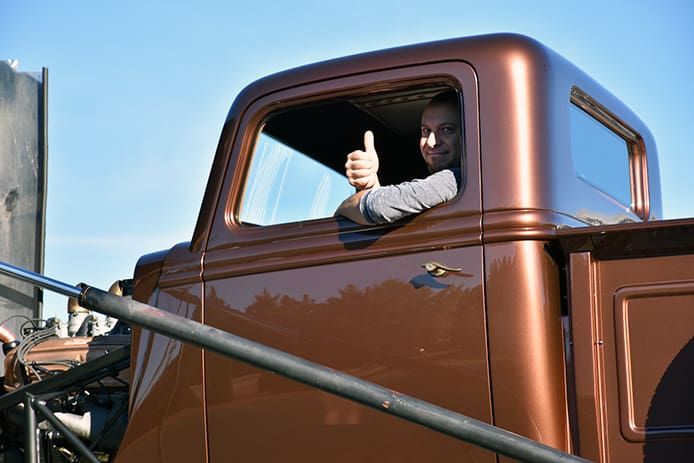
(449,97)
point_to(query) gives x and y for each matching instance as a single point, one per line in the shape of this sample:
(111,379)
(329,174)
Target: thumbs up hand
(361,167)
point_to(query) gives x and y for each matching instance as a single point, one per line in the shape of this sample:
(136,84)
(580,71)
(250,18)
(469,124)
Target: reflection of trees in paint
(391,316)
(672,407)
(425,340)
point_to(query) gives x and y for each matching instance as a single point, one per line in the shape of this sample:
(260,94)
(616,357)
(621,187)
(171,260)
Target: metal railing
(372,395)
(32,407)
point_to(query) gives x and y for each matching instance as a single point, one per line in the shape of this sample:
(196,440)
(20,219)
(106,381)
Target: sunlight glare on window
(287,186)
(600,156)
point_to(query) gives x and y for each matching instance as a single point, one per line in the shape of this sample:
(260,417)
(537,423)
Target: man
(440,145)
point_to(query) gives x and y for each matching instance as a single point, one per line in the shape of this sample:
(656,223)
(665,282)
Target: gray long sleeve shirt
(393,202)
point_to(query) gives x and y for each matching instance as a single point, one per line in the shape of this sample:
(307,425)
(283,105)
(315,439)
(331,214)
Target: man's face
(440,139)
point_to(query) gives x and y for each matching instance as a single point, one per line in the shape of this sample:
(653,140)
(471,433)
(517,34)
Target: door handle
(436,269)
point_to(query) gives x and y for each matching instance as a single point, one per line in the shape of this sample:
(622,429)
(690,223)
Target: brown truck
(547,298)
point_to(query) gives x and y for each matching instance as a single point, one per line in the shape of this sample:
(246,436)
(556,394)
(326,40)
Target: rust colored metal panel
(383,319)
(587,354)
(166,420)
(525,342)
(643,333)
(644,314)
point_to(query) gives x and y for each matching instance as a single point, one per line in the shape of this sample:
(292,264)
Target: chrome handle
(436,269)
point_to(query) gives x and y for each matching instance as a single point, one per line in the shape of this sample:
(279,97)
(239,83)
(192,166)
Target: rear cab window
(607,155)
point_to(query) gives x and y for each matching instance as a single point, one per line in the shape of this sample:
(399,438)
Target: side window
(600,156)
(296,172)
(286,185)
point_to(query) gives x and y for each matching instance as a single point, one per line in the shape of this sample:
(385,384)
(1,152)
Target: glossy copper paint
(487,342)
(385,320)
(167,417)
(633,341)
(523,300)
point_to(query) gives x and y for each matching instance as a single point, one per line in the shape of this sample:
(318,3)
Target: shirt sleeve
(393,202)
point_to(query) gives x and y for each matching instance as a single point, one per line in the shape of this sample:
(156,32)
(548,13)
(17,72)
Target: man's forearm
(350,208)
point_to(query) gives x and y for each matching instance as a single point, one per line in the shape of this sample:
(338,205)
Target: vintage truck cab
(532,301)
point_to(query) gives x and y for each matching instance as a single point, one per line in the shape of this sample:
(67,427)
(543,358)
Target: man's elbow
(350,209)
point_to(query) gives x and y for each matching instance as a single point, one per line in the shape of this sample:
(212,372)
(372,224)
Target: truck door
(281,270)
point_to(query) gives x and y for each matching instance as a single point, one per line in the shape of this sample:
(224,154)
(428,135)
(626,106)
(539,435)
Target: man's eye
(448,130)
(426,131)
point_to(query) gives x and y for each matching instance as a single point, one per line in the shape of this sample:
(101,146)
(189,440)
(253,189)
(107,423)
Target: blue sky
(138,92)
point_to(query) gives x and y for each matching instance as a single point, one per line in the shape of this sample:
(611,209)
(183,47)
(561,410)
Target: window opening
(297,168)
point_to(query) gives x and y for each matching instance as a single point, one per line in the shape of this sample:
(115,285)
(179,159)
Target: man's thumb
(369,142)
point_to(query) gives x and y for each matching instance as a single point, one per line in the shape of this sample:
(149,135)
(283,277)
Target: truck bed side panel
(633,338)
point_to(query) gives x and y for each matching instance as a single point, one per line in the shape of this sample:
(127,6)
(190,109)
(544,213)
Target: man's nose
(431,139)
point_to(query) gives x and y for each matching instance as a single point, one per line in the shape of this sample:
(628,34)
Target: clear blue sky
(138,92)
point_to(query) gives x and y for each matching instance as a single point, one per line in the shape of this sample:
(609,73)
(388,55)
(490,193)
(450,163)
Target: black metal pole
(93,370)
(31,454)
(336,382)
(82,449)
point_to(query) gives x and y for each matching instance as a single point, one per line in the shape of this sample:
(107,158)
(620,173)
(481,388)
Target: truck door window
(286,185)
(296,172)
(600,156)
